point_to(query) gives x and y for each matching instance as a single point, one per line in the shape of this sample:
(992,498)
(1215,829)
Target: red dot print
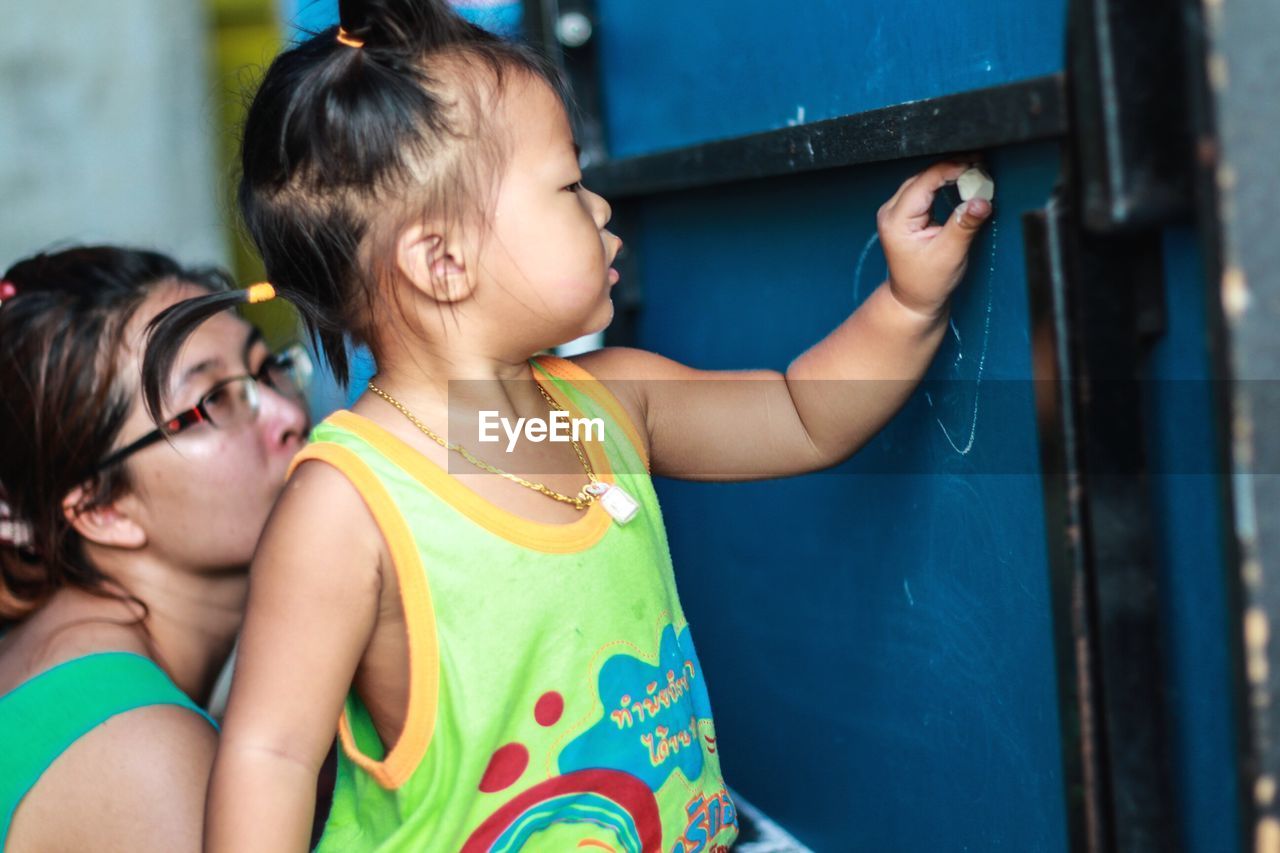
(505,767)
(549,708)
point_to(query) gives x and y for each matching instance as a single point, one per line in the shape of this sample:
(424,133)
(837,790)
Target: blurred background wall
(120,122)
(108,127)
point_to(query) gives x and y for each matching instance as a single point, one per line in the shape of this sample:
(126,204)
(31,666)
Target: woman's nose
(282,417)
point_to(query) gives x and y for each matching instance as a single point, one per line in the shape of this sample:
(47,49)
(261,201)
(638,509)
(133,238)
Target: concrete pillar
(107,127)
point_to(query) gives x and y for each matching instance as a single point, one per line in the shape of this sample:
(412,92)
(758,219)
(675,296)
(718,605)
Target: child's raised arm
(313,601)
(834,397)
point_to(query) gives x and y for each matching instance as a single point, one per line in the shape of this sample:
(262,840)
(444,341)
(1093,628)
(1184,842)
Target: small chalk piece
(976,183)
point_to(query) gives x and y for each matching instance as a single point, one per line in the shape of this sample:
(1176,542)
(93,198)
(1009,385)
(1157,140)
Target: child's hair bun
(397,24)
(354,117)
(354,16)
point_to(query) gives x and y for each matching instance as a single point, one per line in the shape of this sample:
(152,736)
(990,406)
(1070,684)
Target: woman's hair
(63,401)
(345,141)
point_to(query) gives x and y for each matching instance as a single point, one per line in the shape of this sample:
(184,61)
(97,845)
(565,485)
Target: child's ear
(433,263)
(104,525)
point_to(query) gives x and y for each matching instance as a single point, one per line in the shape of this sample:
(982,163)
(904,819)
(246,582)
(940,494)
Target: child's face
(547,245)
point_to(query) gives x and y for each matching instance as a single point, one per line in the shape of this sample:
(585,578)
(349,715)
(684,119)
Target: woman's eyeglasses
(232,402)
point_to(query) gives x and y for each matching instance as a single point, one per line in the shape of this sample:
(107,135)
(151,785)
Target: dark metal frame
(1129,83)
(1095,273)
(1091,296)
(1069,571)
(1235,116)
(1025,111)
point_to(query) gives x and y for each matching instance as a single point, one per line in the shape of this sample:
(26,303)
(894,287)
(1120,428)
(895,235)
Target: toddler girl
(498,633)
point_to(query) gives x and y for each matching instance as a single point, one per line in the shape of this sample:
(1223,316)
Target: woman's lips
(613,276)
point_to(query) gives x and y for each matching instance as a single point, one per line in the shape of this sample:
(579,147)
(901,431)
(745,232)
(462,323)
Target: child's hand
(835,396)
(927,260)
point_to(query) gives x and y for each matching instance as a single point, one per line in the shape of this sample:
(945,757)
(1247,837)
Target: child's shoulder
(633,375)
(320,496)
(321,524)
(623,372)
(627,364)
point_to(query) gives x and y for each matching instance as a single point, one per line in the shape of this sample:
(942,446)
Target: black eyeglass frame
(198,414)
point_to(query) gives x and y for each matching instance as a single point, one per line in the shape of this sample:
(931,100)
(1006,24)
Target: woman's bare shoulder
(63,630)
(138,782)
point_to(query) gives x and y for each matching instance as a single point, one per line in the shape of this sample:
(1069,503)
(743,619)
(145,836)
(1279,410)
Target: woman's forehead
(221,339)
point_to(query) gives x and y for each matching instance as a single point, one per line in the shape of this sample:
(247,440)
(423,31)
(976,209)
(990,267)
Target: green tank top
(43,716)
(555,698)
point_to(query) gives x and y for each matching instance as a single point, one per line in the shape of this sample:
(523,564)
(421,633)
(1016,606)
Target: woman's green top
(43,716)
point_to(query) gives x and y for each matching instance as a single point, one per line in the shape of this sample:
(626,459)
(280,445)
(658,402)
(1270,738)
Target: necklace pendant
(615,500)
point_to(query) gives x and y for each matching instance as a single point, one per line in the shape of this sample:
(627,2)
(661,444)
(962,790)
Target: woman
(123,560)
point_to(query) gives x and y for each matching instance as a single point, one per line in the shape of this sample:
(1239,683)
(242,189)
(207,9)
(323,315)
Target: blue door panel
(877,639)
(678,73)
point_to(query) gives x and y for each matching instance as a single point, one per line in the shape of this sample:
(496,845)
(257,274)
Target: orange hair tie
(349,40)
(260,293)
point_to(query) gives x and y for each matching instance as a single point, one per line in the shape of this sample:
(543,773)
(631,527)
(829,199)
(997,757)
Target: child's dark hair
(63,402)
(338,134)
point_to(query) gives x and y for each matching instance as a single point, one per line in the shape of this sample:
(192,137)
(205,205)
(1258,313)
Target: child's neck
(447,397)
(437,388)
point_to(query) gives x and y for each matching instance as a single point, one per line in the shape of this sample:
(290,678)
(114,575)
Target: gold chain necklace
(580,501)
